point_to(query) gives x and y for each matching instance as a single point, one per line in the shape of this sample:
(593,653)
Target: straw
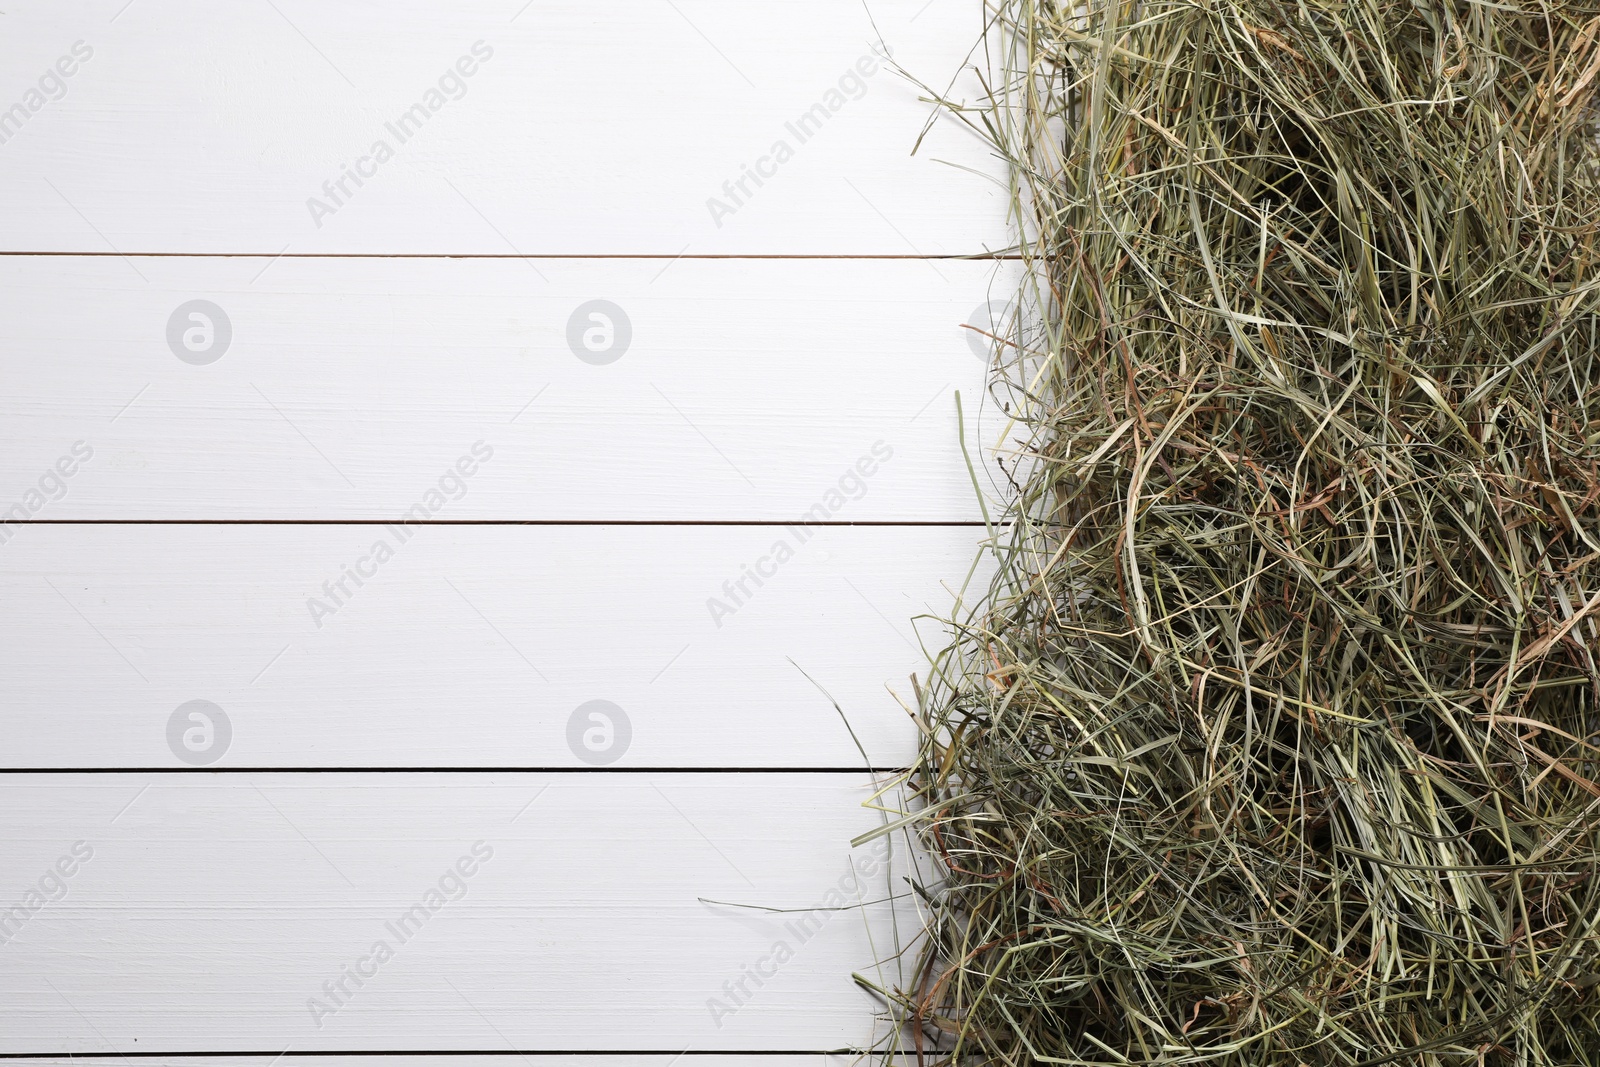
(1276,739)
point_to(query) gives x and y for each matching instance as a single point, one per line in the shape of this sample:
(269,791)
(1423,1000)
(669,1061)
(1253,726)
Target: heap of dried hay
(1275,741)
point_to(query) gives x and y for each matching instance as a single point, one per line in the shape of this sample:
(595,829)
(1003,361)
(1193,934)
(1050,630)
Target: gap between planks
(506,255)
(453,770)
(487,522)
(79,1057)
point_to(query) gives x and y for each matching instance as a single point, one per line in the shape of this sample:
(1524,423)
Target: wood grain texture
(209,911)
(348,387)
(582,128)
(467,646)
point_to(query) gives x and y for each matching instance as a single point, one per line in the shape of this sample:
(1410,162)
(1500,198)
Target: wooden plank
(347,389)
(581,128)
(519,911)
(471,646)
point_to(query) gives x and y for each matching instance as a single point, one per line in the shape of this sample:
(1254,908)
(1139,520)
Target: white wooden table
(435,433)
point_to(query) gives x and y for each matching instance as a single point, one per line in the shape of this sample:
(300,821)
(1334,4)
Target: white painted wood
(212,908)
(350,386)
(589,128)
(471,646)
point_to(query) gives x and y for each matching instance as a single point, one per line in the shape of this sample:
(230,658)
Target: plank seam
(453,770)
(492,522)
(975,256)
(298,1053)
